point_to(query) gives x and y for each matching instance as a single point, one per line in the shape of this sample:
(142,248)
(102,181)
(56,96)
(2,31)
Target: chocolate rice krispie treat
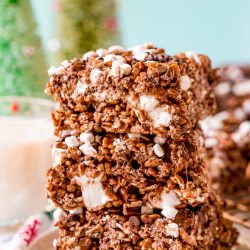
(228,133)
(141,90)
(125,170)
(129,165)
(202,227)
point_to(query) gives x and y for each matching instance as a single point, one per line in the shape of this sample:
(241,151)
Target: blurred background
(35,34)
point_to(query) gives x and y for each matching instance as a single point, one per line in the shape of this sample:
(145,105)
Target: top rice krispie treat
(140,90)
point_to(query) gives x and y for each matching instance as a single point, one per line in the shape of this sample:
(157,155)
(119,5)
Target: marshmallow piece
(81,88)
(158,150)
(185,82)
(241,88)
(214,123)
(146,210)
(139,51)
(240,114)
(167,203)
(210,142)
(140,56)
(168,199)
(141,47)
(88,149)
(116,49)
(234,73)
(148,103)
(243,130)
(125,69)
(246,106)
(65,63)
(172,229)
(72,141)
(101,52)
(93,193)
(159,140)
(134,136)
(192,54)
(95,75)
(112,57)
(115,70)
(58,214)
(89,54)
(55,70)
(160,117)
(109,58)
(169,212)
(76,211)
(87,137)
(56,154)
(55,243)
(119,68)
(223,88)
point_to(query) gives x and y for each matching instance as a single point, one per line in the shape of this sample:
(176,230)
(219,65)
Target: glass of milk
(26,135)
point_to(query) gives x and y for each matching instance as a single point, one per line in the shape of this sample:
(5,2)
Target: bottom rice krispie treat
(202,227)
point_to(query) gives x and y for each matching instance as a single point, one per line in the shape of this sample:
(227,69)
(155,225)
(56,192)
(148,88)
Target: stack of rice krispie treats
(129,167)
(228,133)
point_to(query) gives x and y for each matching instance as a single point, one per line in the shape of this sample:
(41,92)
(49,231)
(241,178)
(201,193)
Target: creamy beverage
(25,141)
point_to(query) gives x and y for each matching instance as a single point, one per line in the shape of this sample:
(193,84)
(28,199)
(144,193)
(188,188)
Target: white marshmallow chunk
(88,149)
(246,106)
(169,212)
(76,211)
(242,88)
(56,154)
(72,141)
(240,114)
(116,49)
(120,68)
(192,54)
(172,229)
(109,58)
(160,117)
(148,103)
(55,70)
(223,88)
(93,193)
(210,142)
(95,75)
(185,82)
(101,52)
(168,199)
(87,137)
(158,150)
(140,56)
(134,136)
(89,54)
(81,88)
(55,243)
(243,130)
(58,214)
